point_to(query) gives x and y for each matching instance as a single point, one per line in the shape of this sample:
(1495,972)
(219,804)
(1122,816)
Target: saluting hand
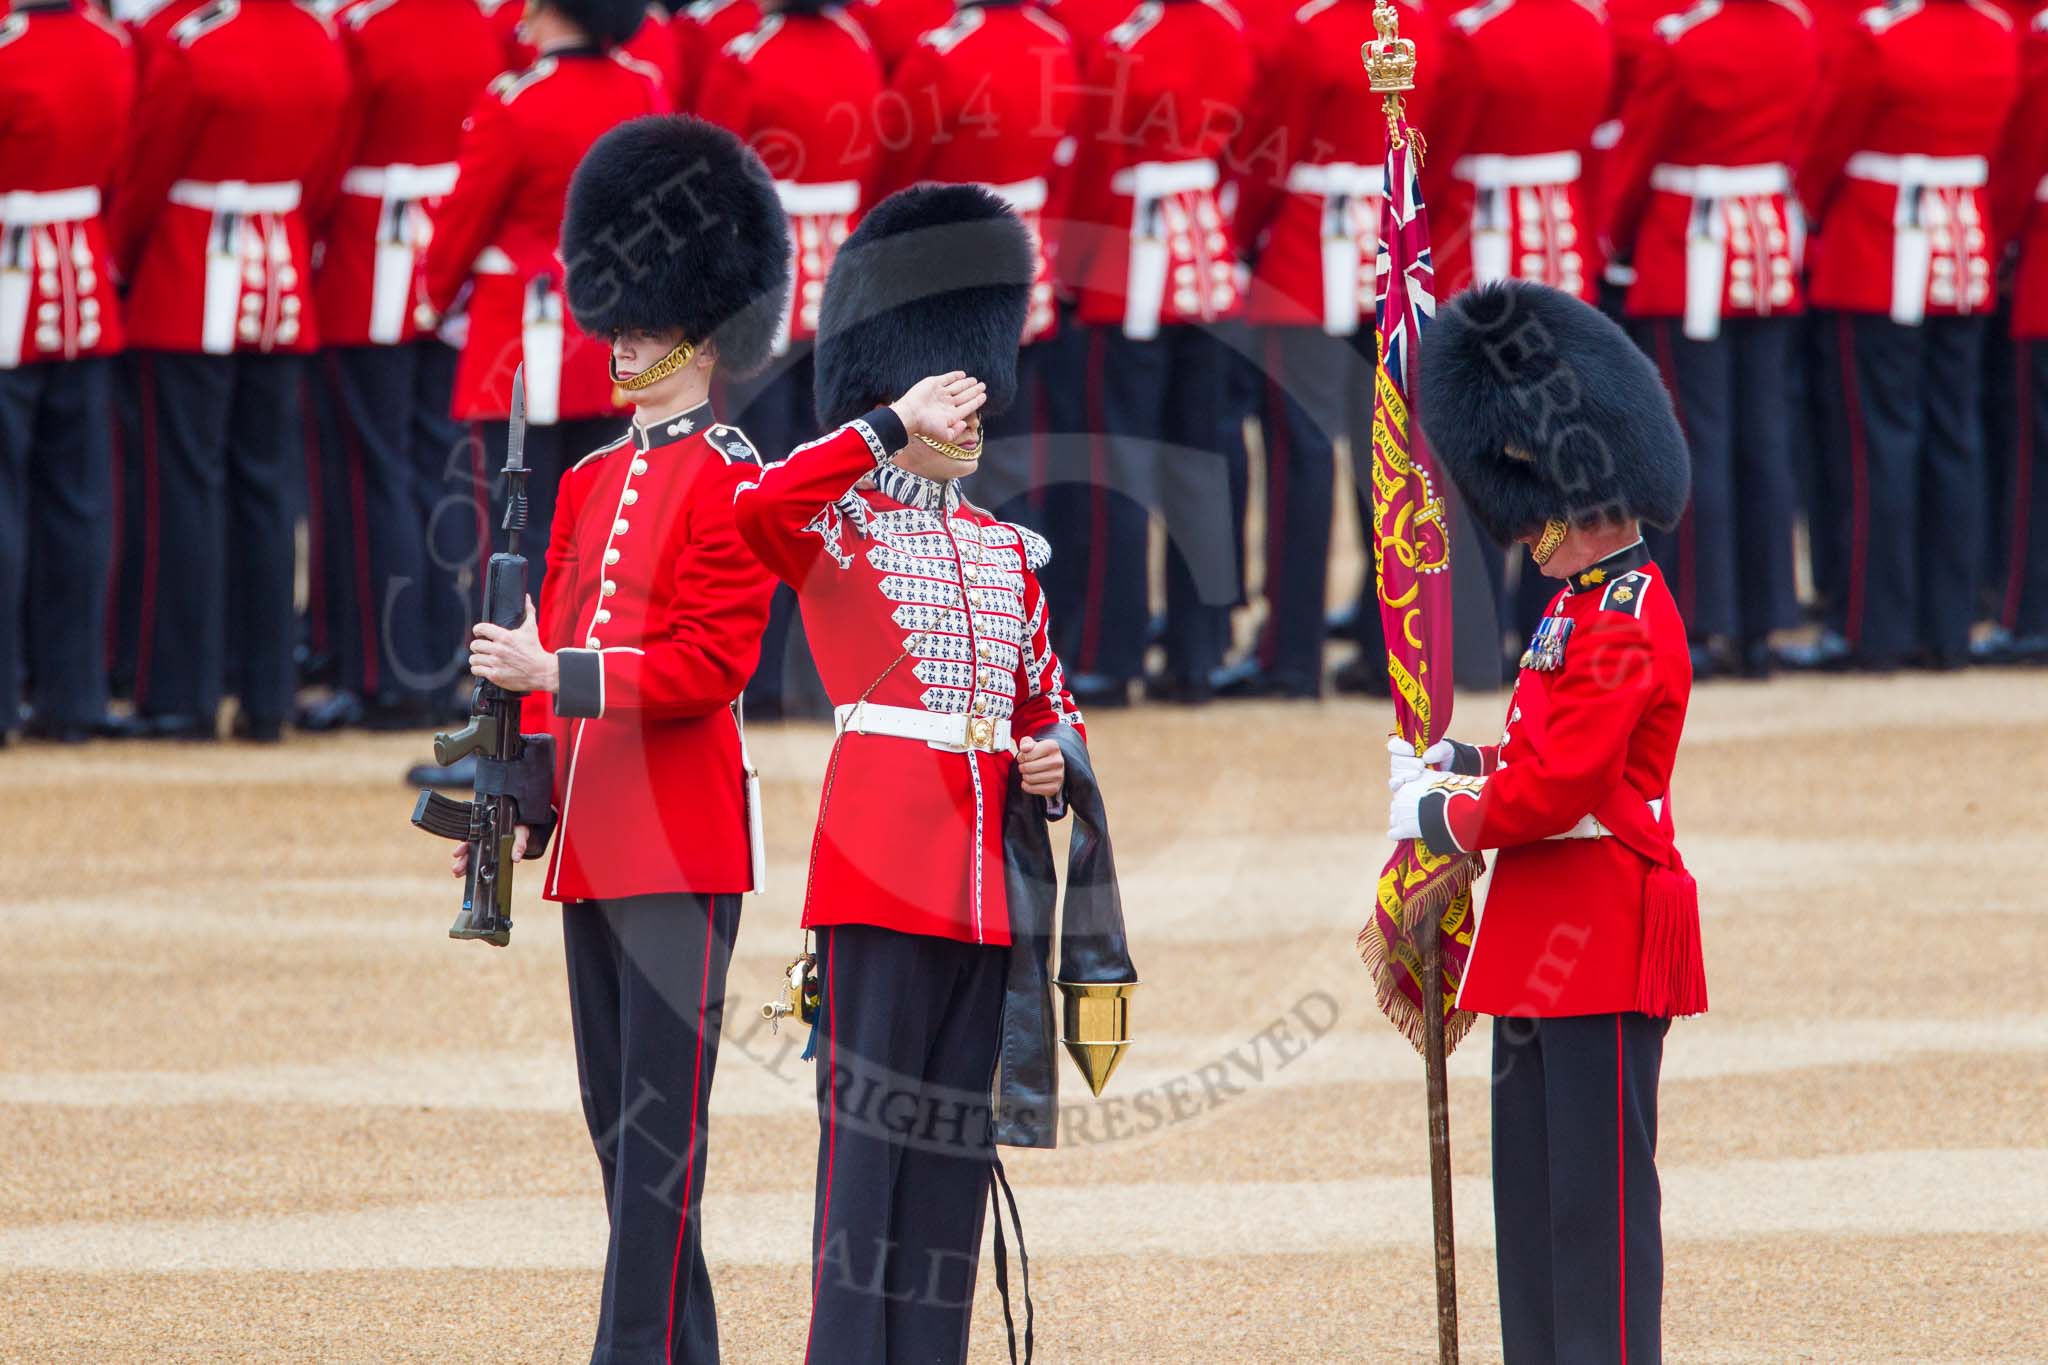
(938,406)
(1043,764)
(514,659)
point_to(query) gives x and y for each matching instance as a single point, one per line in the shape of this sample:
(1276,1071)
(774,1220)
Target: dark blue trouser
(1906,511)
(395,515)
(1730,556)
(1317,388)
(647,998)
(906,1052)
(1576,1206)
(217,451)
(56,537)
(2018,446)
(1153,408)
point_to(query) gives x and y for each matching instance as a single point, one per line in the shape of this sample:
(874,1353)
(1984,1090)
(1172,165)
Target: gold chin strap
(949,450)
(661,369)
(1554,532)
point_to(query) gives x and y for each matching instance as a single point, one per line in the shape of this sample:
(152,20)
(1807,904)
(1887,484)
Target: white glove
(1404,767)
(1404,813)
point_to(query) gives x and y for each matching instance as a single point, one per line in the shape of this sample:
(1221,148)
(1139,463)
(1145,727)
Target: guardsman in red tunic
(493,247)
(386,600)
(1311,170)
(239,102)
(1521,86)
(1148,251)
(67,84)
(930,631)
(701,30)
(988,97)
(1697,199)
(1588,944)
(1895,181)
(647,629)
(802,88)
(2019,371)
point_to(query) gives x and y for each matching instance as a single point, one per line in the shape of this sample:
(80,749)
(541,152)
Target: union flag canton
(1412,565)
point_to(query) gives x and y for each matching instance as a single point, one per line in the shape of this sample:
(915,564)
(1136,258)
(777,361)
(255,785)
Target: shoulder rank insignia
(1625,594)
(733,444)
(1545,653)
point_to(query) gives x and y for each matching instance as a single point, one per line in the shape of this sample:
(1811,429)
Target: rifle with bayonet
(515,773)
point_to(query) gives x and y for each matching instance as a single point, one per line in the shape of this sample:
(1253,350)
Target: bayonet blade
(515,438)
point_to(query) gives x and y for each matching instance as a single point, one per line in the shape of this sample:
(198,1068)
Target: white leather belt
(1025,196)
(236,196)
(1591,828)
(1912,169)
(400,181)
(1720,182)
(1156,179)
(952,732)
(39,208)
(1489,170)
(492,260)
(801,200)
(1336,177)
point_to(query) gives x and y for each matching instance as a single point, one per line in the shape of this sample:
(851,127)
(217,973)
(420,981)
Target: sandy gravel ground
(255,1107)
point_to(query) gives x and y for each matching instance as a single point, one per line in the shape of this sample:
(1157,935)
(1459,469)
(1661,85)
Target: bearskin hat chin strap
(949,450)
(1554,532)
(661,369)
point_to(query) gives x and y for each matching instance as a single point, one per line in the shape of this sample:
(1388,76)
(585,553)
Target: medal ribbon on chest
(1545,653)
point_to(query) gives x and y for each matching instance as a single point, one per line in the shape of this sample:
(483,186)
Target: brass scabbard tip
(1096,1026)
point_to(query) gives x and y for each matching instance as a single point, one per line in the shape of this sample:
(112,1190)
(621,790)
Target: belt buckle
(981,734)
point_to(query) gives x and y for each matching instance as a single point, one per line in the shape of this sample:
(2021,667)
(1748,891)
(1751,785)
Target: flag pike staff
(1390,65)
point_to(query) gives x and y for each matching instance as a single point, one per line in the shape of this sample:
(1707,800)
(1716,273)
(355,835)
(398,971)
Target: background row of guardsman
(265,267)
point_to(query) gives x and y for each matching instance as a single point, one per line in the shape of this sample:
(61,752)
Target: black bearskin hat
(1541,408)
(608,22)
(935,278)
(673,222)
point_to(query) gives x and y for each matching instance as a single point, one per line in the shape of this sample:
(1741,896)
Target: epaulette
(1045,21)
(355,16)
(1311,10)
(510,85)
(743,48)
(203,21)
(646,71)
(701,10)
(1037,549)
(12,27)
(1478,16)
(604,450)
(1797,11)
(1992,12)
(1135,25)
(733,444)
(320,12)
(1672,27)
(1879,18)
(1224,8)
(1626,593)
(851,27)
(950,34)
(1594,8)
(104,24)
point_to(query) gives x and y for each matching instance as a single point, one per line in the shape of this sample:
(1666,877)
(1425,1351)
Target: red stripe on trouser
(366,608)
(1859,480)
(1098,510)
(2023,486)
(696,1108)
(1278,451)
(1688,530)
(1621,1186)
(831,1135)
(145,638)
(117,464)
(316,521)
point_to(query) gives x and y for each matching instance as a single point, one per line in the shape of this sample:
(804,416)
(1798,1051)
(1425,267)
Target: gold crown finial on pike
(1389,58)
